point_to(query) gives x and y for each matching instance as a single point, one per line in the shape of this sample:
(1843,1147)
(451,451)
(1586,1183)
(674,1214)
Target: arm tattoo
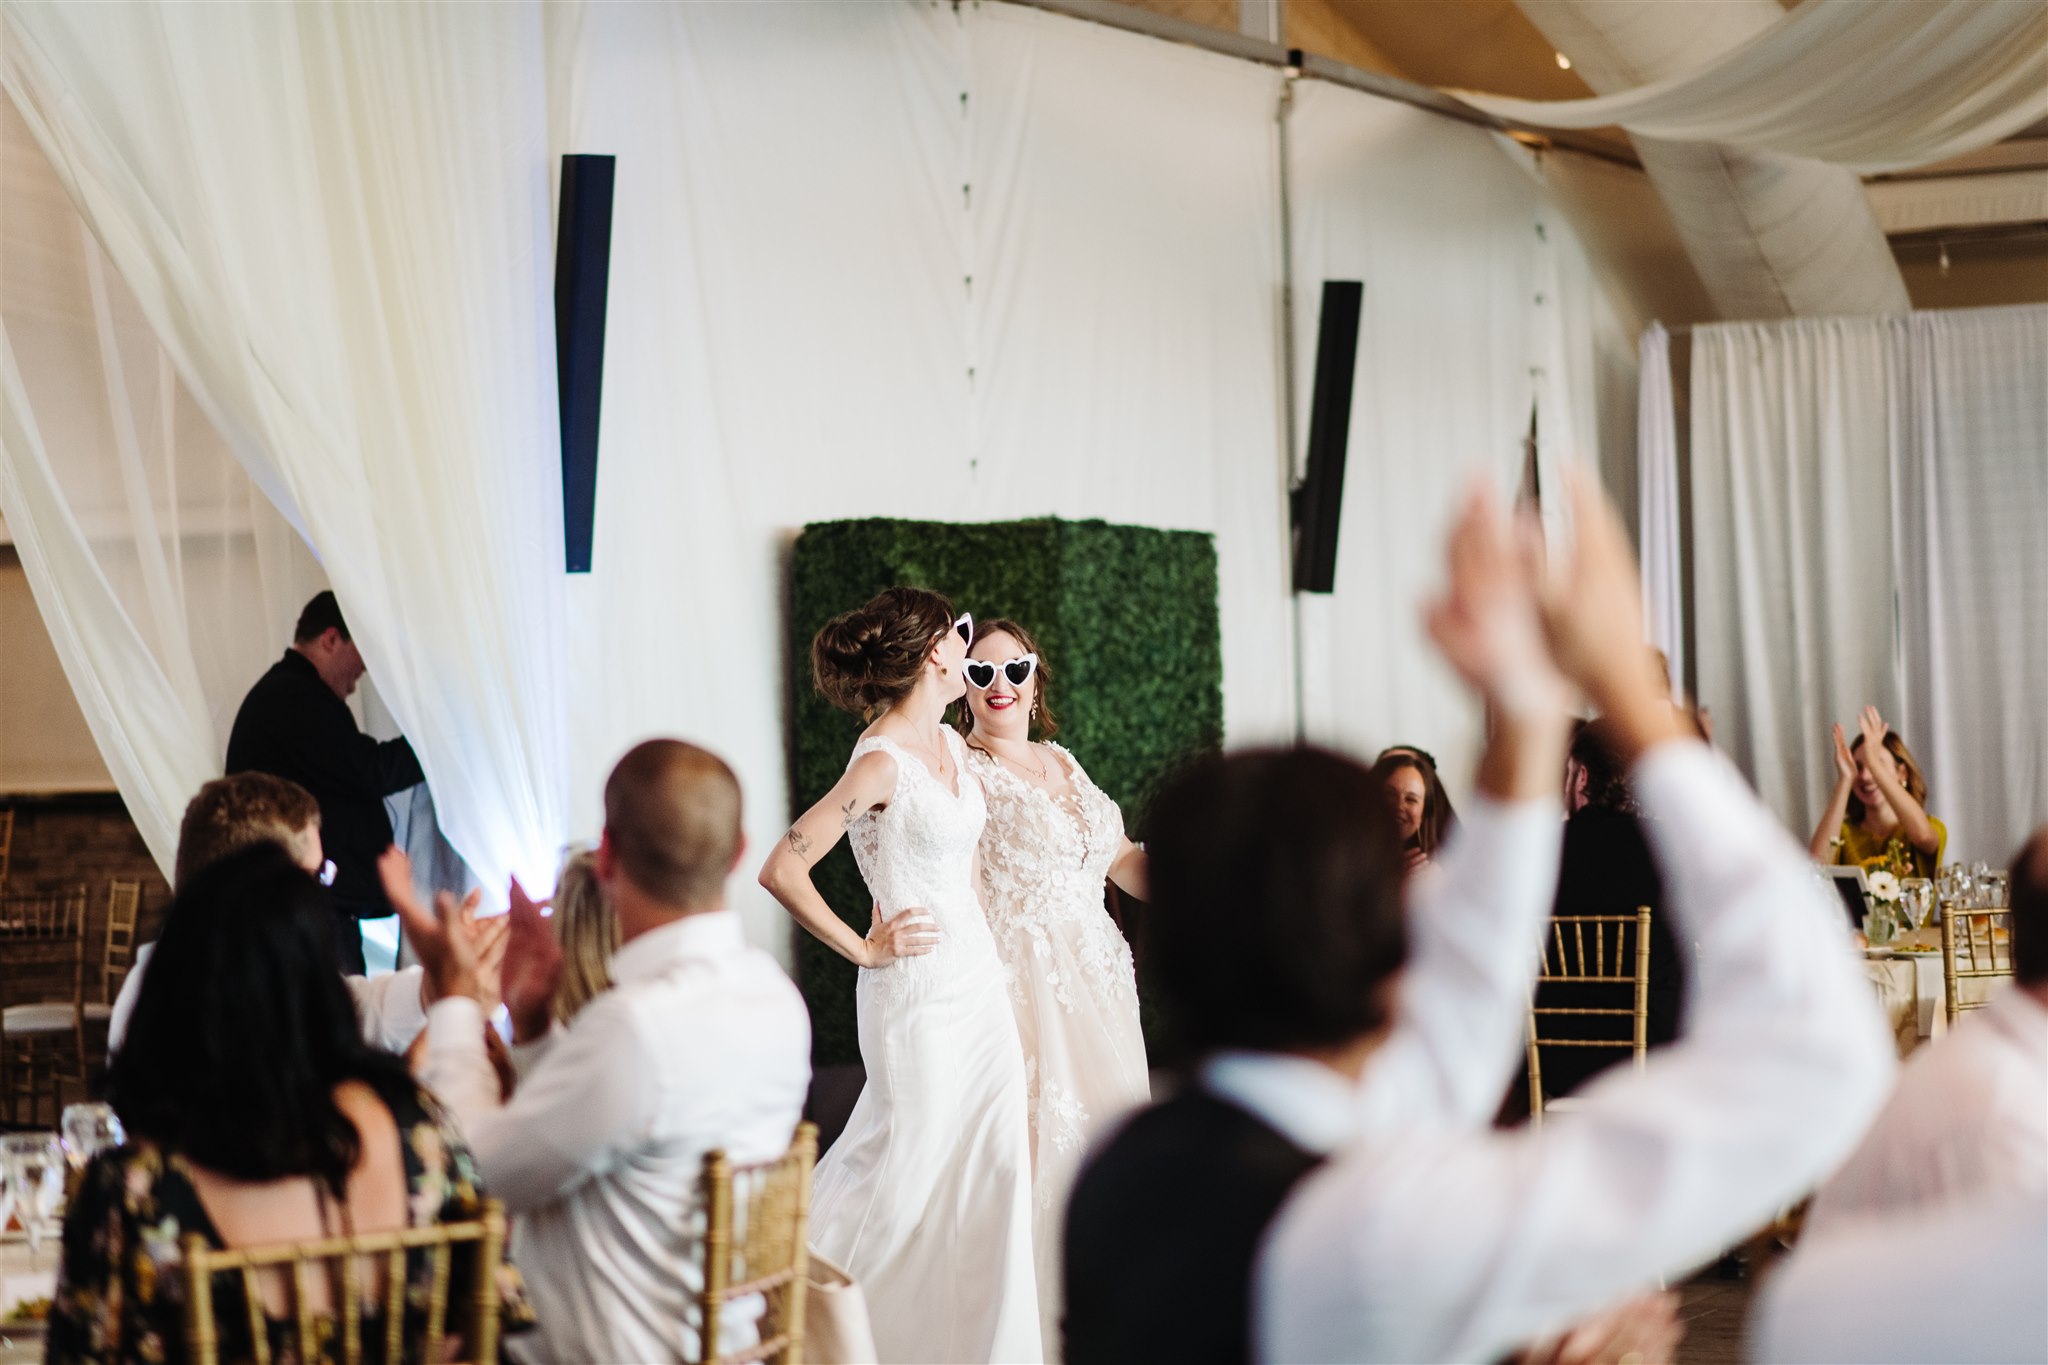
(799,843)
(847,815)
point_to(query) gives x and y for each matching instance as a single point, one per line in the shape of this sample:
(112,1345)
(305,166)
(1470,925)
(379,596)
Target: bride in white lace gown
(1053,838)
(926,1197)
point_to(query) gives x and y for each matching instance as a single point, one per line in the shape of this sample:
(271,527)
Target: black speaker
(583,258)
(1319,498)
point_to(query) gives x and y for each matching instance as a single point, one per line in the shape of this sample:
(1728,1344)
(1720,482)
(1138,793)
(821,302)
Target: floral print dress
(121,1287)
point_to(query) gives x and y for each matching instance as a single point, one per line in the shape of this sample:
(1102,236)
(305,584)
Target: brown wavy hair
(1045,725)
(1909,773)
(867,660)
(1438,819)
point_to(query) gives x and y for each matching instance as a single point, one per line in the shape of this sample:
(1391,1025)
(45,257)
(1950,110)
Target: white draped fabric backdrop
(867,260)
(1868,502)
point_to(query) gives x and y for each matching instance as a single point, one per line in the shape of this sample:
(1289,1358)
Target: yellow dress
(1859,847)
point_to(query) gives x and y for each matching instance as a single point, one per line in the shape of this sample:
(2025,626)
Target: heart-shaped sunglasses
(982,672)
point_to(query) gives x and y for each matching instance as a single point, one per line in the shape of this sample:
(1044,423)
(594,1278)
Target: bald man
(702,1043)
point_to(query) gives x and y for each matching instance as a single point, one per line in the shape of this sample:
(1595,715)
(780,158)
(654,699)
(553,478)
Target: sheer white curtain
(166,581)
(803,196)
(1867,502)
(1479,305)
(1970,473)
(335,219)
(1873,87)
(1792,545)
(1657,508)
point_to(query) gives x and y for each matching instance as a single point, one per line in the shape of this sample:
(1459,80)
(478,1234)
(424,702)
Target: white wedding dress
(1068,970)
(926,1197)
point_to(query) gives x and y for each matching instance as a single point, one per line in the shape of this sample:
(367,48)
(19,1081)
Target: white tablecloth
(19,1279)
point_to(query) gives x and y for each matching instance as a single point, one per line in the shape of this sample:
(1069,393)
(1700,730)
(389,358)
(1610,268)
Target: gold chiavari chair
(337,1266)
(1976,945)
(757,1220)
(42,1001)
(1610,955)
(124,917)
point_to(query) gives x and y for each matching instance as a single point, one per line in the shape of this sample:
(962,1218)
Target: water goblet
(35,1168)
(89,1129)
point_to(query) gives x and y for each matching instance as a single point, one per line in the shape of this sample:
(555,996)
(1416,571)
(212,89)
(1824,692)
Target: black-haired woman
(926,1197)
(255,1114)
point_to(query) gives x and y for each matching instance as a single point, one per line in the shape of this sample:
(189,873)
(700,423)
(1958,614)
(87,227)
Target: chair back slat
(1566,961)
(312,1266)
(757,1223)
(6,846)
(124,915)
(1976,945)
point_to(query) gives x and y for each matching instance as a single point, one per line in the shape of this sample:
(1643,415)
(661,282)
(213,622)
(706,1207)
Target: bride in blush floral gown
(1052,839)
(926,1196)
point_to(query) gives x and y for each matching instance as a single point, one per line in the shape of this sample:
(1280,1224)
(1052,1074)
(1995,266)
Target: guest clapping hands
(1876,817)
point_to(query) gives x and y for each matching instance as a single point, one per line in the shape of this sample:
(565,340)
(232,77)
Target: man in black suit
(295,723)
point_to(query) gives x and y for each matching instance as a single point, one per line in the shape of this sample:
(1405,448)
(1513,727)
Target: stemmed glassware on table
(32,1164)
(88,1130)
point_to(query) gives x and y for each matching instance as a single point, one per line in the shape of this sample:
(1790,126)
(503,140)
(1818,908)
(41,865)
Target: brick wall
(61,842)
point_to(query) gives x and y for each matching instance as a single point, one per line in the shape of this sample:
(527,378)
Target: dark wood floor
(1715,1311)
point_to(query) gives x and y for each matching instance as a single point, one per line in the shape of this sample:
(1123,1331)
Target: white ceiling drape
(1872,87)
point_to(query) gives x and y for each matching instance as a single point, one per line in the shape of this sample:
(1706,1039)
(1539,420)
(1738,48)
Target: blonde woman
(1053,839)
(588,931)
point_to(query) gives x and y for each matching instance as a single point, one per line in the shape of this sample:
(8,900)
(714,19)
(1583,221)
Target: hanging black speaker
(1319,498)
(583,258)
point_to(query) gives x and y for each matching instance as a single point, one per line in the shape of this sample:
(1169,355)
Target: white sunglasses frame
(1003,669)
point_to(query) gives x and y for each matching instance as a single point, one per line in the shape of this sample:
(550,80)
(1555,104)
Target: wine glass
(35,1168)
(89,1129)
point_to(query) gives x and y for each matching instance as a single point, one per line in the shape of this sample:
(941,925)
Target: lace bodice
(919,850)
(1044,861)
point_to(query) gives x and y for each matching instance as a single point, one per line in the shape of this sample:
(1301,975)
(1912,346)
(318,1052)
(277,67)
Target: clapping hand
(447,949)
(1875,755)
(533,967)
(1845,762)
(1486,622)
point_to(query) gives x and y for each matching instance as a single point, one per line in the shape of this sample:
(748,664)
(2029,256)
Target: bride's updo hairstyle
(869,659)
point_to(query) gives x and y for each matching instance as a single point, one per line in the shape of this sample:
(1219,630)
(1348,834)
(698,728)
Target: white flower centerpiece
(1882,924)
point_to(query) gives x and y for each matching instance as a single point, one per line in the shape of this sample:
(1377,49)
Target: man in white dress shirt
(1959,1283)
(1970,1114)
(1447,1240)
(231,813)
(702,1043)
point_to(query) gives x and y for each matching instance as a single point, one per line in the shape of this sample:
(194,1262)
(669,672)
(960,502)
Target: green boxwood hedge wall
(1125,615)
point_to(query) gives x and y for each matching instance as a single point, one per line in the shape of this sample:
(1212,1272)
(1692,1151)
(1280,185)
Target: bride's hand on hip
(911,932)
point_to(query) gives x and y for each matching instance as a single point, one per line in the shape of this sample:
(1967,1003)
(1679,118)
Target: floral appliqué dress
(121,1288)
(1044,863)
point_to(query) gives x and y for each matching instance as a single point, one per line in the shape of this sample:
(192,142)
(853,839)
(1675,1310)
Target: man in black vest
(1278,938)
(295,723)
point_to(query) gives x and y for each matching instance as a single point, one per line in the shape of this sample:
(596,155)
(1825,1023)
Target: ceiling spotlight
(1564,63)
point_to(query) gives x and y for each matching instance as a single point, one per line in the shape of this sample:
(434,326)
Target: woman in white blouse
(1052,840)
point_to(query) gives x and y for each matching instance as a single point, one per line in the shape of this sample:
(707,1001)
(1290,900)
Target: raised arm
(1821,845)
(869,781)
(1459,1245)
(1884,771)
(1475,914)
